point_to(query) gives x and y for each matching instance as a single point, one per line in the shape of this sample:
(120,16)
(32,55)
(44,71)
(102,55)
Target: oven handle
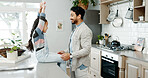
(107,60)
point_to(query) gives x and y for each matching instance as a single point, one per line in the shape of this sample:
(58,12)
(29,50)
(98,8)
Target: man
(80,45)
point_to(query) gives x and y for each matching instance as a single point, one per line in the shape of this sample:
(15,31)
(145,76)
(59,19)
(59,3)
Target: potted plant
(100,39)
(15,49)
(83,3)
(12,54)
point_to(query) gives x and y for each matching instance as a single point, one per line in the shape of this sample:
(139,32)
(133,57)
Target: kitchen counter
(41,70)
(128,53)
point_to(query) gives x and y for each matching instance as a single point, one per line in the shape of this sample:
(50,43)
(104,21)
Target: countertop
(128,53)
(41,70)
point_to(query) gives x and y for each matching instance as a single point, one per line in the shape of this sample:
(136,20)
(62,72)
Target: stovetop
(111,48)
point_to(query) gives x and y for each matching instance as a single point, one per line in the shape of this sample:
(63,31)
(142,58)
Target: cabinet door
(132,69)
(96,59)
(145,71)
(146,11)
(93,73)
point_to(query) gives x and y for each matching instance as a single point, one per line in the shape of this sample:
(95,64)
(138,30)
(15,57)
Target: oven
(109,65)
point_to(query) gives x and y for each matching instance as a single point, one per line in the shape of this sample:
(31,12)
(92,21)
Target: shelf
(139,7)
(140,21)
(109,1)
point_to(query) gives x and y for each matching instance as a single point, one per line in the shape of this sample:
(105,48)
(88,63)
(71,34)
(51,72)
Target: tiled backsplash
(129,32)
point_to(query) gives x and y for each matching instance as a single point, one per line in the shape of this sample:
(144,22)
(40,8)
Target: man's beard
(75,21)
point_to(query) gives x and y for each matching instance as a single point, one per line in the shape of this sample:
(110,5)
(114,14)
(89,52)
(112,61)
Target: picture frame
(139,44)
(59,25)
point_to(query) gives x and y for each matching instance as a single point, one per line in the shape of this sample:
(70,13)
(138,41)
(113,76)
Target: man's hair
(78,10)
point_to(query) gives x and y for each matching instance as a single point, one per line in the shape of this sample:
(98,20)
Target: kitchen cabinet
(140,10)
(95,65)
(104,10)
(136,68)
(145,71)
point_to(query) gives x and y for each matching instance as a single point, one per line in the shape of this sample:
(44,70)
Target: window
(17,17)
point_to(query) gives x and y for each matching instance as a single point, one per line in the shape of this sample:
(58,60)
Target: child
(38,41)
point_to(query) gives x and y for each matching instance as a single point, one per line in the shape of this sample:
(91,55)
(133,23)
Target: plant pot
(101,42)
(82,5)
(4,54)
(12,56)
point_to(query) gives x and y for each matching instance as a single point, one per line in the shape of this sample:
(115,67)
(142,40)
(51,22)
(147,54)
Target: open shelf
(109,1)
(139,7)
(140,22)
(140,10)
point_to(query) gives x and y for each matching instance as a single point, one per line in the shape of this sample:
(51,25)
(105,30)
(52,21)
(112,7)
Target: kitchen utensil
(106,39)
(129,14)
(118,21)
(111,15)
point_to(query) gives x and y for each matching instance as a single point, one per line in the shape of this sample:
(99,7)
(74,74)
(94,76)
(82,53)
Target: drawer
(95,60)
(94,74)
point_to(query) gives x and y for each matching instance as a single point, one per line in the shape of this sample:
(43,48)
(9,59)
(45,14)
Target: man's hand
(61,52)
(65,56)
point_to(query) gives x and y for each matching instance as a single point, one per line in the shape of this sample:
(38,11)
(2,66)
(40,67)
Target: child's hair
(30,44)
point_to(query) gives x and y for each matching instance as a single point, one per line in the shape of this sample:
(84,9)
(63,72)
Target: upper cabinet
(140,11)
(97,7)
(104,10)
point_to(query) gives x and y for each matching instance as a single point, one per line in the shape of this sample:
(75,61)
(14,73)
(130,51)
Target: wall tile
(130,31)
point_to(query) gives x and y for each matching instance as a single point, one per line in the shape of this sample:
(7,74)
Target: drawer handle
(94,75)
(94,58)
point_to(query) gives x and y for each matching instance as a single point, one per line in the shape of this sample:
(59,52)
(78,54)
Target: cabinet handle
(94,58)
(94,75)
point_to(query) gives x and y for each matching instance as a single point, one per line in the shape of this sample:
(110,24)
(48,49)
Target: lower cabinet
(93,73)
(136,68)
(95,65)
(145,71)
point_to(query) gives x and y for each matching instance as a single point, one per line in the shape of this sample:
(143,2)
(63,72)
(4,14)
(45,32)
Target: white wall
(58,10)
(130,31)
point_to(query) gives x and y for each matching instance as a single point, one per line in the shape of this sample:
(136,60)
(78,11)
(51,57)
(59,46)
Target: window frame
(23,10)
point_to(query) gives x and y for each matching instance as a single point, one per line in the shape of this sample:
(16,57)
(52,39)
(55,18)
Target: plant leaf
(12,41)
(13,34)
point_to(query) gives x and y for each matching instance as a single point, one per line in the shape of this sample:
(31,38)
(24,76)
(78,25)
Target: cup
(141,18)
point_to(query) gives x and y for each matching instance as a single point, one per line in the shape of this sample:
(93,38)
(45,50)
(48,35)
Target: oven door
(109,68)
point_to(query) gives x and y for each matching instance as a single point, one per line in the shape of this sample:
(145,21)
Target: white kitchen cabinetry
(136,69)
(95,65)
